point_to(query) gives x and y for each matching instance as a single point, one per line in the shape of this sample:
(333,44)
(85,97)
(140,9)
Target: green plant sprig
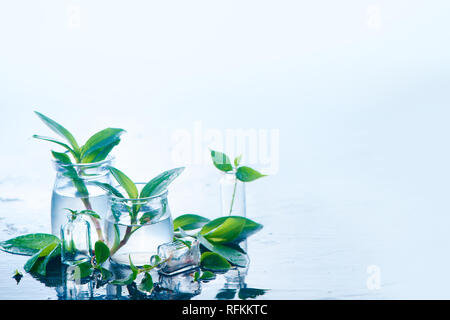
(96,148)
(147,281)
(242,173)
(154,187)
(219,238)
(89,213)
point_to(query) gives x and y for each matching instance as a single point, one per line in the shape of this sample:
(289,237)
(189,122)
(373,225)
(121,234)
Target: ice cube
(183,254)
(180,284)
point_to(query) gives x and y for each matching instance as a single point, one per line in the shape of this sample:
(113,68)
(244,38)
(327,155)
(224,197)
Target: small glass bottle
(232,192)
(75,240)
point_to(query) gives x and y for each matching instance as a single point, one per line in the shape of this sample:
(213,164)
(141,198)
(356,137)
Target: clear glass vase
(75,241)
(232,192)
(137,227)
(76,188)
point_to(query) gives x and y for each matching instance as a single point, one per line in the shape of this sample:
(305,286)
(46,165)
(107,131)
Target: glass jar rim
(101,163)
(120,199)
(112,220)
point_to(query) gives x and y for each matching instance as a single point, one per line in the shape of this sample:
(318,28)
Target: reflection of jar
(232,193)
(136,227)
(75,240)
(76,189)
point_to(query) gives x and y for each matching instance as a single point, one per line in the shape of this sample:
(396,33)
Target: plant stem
(232,198)
(95,221)
(128,232)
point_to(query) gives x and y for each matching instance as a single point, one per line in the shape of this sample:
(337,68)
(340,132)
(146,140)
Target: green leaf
(61,157)
(132,266)
(185,242)
(17,276)
(73,152)
(207,275)
(77,181)
(84,269)
(54,254)
(146,283)
(90,213)
(155,260)
(250,226)
(59,129)
(17,273)
(214,261)
(106,138)
(237,160)
(189,222)
(109,188)
(160,183)
(125,182)
(106,274)
(33,263)
(233,255)
(28,244)
(247,174)
(126,281)
(221,161)
(102,252)
(227,231)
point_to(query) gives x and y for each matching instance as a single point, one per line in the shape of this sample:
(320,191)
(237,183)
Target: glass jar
(232,195)
(135,228)
(76,188)
(75,240)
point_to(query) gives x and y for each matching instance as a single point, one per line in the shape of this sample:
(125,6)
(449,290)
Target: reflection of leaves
(244,293)
(226,294)
(17,276)
(54,276)
(250,293)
